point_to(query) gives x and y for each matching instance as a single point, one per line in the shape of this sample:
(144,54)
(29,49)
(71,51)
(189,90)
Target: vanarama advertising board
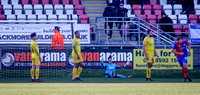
(167,60)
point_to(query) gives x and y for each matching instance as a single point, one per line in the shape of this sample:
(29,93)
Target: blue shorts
(109,75)
(182,60)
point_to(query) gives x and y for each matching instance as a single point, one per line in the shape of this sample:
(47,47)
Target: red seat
(159,17)
(79,12)
(125,27)
(25,2)
(157,9)
(0,7)
(45,2)
(79,9)
(153,2)
(75,2)
(34,2)
(193,18)
(143,17)
(83,18)
(65,2)
(186,29)
(137,9)
(54,2)
(147,9)
(177,28)
(151,18)
(2,17)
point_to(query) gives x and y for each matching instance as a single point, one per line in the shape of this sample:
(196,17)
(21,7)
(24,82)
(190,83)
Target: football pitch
(98,86)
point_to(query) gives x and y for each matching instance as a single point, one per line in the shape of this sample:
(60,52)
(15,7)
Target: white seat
(167,9)
(38,7)
(7,12)
(48,12)
(10,17)
(31,17)
(17,7)
(42,17)
(128,7)
(48,7)
(14,2)
(74,17)
(59,12)
(197,12)
(4,2)
(28,12)
(69,11)
(58,7)
(28,7)
(129,12)
(197,7)
(69,7)
(131,15)
(7,7)
(183,18)
(62,17)
(178,9)
(163,2)
(52,17)
(21,17)
(168,12)
(18,12)
(174,18)
(38,12)
(195,2)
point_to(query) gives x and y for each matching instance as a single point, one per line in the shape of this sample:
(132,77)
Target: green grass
(98,86)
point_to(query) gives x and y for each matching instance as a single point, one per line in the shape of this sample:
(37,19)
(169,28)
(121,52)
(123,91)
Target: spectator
(57,39)
(188,6)
(116,3)
(109,12)
(166,19)
(144,2)
(121,12)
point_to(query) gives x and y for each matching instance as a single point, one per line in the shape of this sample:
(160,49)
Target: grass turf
(98,86)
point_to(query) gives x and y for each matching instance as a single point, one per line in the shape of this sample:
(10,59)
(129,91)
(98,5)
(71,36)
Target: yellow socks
(32,73)
(37,73)
(79,71)
(148,73)
(74,73)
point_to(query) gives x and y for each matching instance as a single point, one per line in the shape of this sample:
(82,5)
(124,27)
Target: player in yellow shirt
(77,57)
(149,50)
(35,59)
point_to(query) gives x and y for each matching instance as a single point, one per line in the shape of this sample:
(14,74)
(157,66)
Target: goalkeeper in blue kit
(110,69)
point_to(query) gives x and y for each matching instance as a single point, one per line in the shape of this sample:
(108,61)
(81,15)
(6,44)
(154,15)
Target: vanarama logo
(8,59)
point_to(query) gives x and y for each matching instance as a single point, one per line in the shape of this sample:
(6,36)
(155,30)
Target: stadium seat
(4,2)
(62,17)
(17,9)
(186,29)
(58,7)
(38,9)
(137,9)
(157,9)
(65,2)
(174,18)
(193,18)
(33,2)
(129,13)
(159,17)
(14,2)
(54,2)
(44,2)
(163,2)
(83,18)
(182,18)
(21,17)
(167,9)
(153,2)
(69,11)
(38,12)
(2,17)
(178,9)
(7,12)
(125,27)
(127,6)
(151,18)
(59,12)
(24,2)
(48,12)
(197,9)
(147,9)
(28,9)
(79,9)
(31,17)
(74,17)
(69,7)
(143,17)
(52,17)
(177,28)
(9,17)
(7,7)
(75,2)
(48,7)
(42,17)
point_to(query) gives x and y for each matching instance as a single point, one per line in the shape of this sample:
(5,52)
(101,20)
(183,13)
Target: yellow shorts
(151,59)
(36,61)
(76,60)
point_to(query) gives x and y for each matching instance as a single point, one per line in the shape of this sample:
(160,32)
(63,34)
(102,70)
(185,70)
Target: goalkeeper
(110,69)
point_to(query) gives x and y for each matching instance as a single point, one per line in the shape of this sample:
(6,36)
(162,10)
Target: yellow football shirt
(34,46)
(76,43)
(149,42)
